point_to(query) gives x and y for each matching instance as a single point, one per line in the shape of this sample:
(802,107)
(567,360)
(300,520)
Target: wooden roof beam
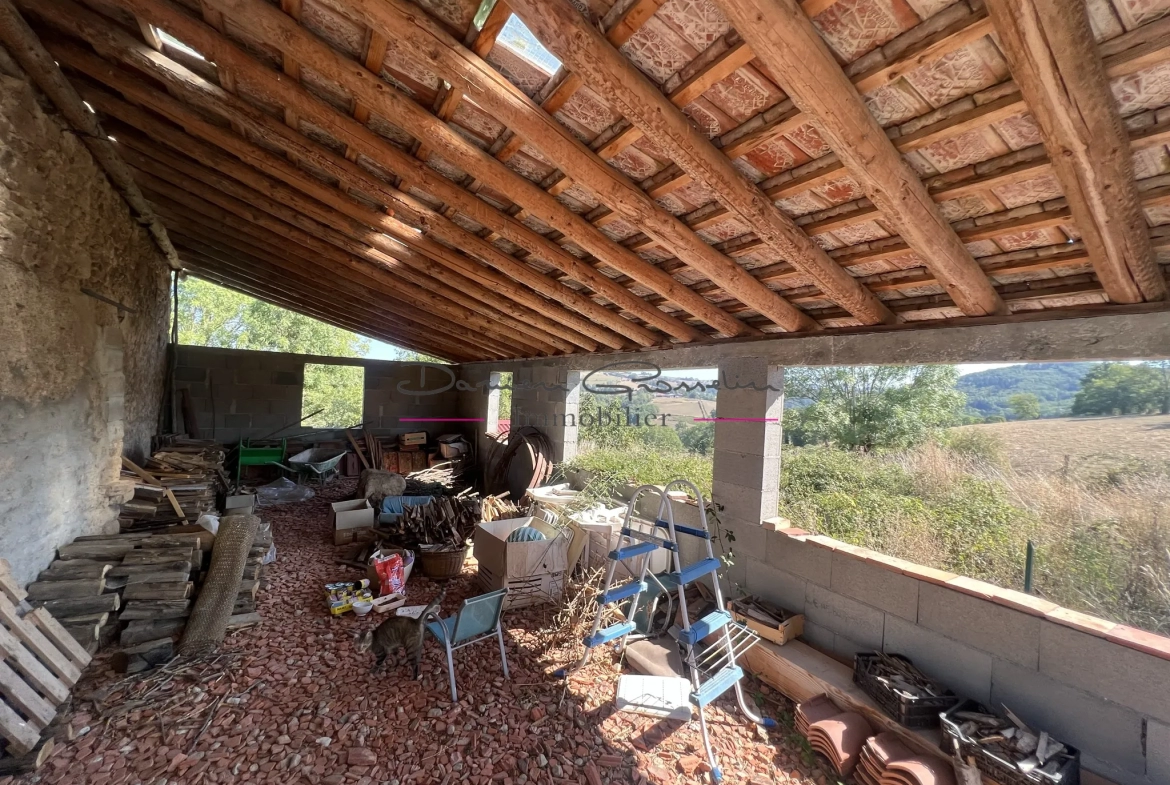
(301,293)
(1054,59)
(784,38)
(116,44)
(278,29)
(247,185)
(569,35)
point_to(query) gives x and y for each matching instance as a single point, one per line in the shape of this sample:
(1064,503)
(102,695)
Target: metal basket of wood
(901,690)
(1006,750)
(441,564)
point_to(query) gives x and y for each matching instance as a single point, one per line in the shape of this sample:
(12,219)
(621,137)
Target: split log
(65,589)
(116,583)
(244,605)
(107,537)
(13,765)
(155,609)
(83,633)
(171,576)
(142,631)
(249,589)
(142,656)
(144,556)
(89,618)
(158,591)
(80,606)
(173,541)
(96,551)
(123,570)
(75,569)
(244,620)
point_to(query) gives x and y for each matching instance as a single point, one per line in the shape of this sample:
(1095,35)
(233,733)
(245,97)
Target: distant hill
(1055,384)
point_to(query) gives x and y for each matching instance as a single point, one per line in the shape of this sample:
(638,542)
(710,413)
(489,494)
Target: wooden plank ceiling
(695,170)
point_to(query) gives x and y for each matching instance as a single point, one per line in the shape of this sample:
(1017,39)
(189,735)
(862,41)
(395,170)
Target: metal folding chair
(477,620)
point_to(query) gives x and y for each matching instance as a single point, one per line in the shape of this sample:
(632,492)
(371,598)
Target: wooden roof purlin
(696,171)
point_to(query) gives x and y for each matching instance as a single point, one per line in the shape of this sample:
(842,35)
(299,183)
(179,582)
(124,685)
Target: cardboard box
(350,536)
(352,514)
(416,439)
(791,627)
(531,571)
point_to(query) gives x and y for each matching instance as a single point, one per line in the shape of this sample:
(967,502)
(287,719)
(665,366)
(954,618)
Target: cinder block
(776,586)
(237,421)
(860,622)
(283,377)
(749,537)
(242,360)
(965,670)
(188,374)
(799,558)
(1157,751)
(252,376)
(745,469)
(739,501)
(885,589)
(1102,729)
(818,636)
(1105,669)
(1008,634)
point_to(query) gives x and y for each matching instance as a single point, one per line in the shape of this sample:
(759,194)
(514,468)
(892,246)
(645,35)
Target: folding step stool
(712,669)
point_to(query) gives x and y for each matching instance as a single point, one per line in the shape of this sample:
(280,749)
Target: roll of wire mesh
(521,458)
(209,618)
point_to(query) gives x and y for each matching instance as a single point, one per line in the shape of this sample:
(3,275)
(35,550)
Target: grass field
(683,409)
(1091,444)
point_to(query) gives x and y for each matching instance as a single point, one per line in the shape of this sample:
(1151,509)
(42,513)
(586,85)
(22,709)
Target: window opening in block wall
(333,395)
(504,401)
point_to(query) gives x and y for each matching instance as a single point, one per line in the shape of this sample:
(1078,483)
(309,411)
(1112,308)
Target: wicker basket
(442,565)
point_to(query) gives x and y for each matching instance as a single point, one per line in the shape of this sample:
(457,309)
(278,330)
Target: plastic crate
(910,712)
(992,766)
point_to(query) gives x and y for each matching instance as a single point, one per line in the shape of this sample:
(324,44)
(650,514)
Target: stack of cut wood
(39,664)
(244,612)
(99,579)
(175,485)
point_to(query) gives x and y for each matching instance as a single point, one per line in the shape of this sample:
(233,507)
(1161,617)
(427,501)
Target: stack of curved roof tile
(837,735)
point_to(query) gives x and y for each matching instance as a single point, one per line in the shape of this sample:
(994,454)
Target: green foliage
(975,445)
(1026,406)
(641,464)
(604,422)
(1119,388)
(211,315)
(1053,384)
(698,438)
(337,390)
(505,385)
(871,406)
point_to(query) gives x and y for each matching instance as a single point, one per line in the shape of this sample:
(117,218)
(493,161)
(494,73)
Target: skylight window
(520,41)
(170,40)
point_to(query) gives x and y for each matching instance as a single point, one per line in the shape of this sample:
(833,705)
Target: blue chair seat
(444,629)
(478,619)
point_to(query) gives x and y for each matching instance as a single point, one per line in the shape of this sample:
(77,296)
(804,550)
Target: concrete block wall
(249,394)
(1102,687)
(547,398)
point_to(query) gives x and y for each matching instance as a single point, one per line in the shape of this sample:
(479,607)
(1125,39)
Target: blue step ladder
(712,667)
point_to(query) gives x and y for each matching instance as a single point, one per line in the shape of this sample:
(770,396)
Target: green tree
(698,438)
(211,315)
(1025,405)
(1119,388)
(605,422)
(871,406)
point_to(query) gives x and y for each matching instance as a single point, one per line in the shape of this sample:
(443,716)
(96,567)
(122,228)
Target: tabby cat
(399,632)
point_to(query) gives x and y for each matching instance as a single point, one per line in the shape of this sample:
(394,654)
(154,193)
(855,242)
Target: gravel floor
(291,701)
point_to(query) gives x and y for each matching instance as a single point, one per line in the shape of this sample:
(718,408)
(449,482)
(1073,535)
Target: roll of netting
(209,619)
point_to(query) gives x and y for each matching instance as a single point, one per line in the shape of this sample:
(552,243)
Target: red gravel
(314,714)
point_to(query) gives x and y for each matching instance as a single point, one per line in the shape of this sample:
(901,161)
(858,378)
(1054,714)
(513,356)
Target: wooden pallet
(40,664)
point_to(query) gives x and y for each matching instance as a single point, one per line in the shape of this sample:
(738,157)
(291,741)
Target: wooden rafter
(569,35)
(277,27)
(209,98)
(784,38)
(1050,49)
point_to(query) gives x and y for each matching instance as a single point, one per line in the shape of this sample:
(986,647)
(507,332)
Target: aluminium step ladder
(712,668)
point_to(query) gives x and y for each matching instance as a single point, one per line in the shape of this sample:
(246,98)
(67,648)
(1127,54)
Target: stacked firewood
(446,520)
(175,485)
(100,579)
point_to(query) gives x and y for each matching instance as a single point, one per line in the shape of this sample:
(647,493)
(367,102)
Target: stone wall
(248,394)
(1100,686)
(80,380)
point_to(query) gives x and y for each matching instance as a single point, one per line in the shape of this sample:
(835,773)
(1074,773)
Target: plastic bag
(391,577)
(282,491)
(209,522)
